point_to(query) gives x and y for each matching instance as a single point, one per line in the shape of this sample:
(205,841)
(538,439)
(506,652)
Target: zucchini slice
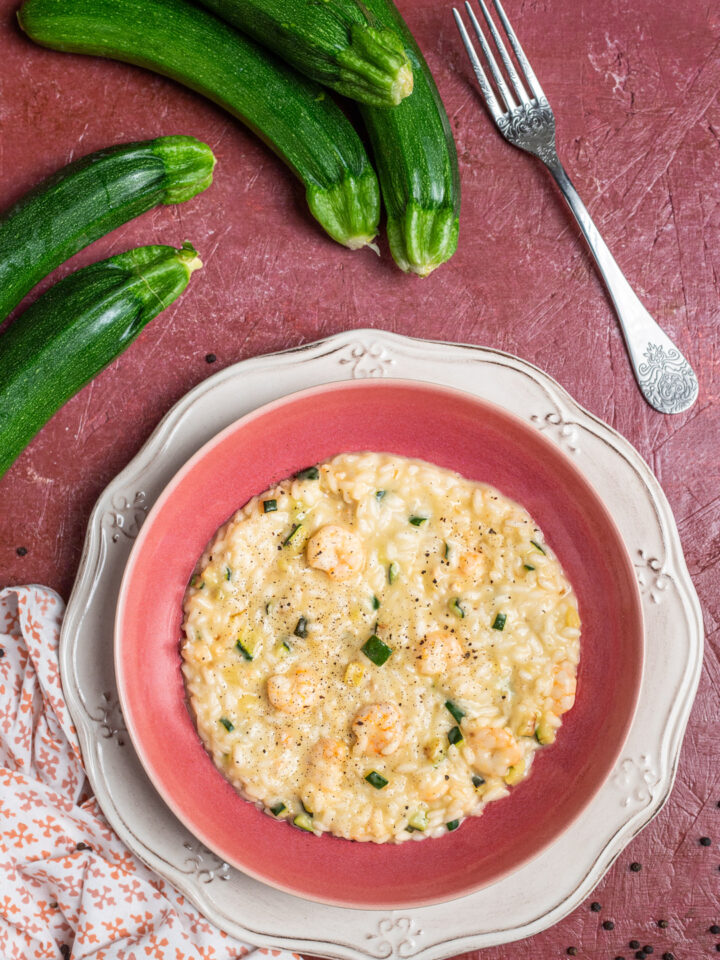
(293,115)
(416,161)
(75,329)
(334,42)
(91,197)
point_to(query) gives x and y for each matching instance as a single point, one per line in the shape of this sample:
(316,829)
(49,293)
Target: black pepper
(608,925)
(705,841)
(714,928)
(636,867)
(83,846)
(648,949)
(663,924)
(595,906)
(21,551)
(210,358)
(572,951)
(2,653)
(668,956)
(634,944)
(640,955)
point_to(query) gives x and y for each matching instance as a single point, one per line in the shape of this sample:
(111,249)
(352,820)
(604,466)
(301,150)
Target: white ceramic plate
(524,902)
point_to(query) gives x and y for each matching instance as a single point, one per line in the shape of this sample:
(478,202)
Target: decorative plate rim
(434,932)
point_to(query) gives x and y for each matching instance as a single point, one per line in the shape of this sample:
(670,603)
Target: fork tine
(487,91)
(532,80)
(504,56)
(491,62)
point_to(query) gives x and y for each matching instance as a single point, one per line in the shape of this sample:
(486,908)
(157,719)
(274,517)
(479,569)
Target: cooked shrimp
(379,729)
(562,694)
(472,565)
(433,786)
(494,749)
(327,763)
(438,651)
(293,692)
(335,550)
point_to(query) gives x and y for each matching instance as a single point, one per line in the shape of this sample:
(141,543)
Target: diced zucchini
(228,573)
(515,773)
(499,621)
(282,649)
(376,651)
(376,780)
(278,809)
(452,825)
(269,506)
(418,521)
(537,546)
(477,781)
(544,733)
(310,473)
(228,724)
(304,821)
(446,551)
(354,673)
(375,603)
(301,628)
(393,572)
(379,494)
(418,821)
(455,736)
(456,608)
(455,711)
(528,566)
(246,648)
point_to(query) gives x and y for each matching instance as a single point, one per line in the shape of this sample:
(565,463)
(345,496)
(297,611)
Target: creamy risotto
(377,648)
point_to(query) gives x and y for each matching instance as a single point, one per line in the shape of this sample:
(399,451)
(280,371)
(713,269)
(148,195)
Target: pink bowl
(454,430)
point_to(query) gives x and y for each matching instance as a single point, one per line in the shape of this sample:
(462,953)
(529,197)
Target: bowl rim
(238,424)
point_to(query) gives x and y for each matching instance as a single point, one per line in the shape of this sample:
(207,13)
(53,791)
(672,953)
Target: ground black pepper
(21,551)
(210,358)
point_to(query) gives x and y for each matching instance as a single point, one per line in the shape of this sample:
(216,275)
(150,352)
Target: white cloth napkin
(69,888)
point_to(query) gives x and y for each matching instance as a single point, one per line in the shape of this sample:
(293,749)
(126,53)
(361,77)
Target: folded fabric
(69,888)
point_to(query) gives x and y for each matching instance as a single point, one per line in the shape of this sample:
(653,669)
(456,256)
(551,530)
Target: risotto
(377,648)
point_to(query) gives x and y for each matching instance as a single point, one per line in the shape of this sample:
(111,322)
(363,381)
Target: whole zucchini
(75,329)
(416,162)
(88,199)
(334,42)
(291,114)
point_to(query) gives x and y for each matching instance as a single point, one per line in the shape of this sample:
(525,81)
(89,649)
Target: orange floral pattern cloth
(68,887)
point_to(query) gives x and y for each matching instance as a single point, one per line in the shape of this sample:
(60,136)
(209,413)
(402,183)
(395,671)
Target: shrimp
(437,652)
(495,750)
(327,759)
(562,694)
(336,551)
(293,692)
(472,565)
(379,729)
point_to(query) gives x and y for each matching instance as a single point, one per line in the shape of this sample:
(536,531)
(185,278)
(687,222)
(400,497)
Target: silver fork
(525,118)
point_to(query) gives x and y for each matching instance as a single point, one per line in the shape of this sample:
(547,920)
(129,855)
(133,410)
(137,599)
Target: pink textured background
(634,86)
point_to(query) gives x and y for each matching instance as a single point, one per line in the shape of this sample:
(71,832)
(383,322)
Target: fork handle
(666,379)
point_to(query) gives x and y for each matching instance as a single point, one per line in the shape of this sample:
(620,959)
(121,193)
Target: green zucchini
(75,329)
(416,161)
(293,115)
(334,42)
(88,199)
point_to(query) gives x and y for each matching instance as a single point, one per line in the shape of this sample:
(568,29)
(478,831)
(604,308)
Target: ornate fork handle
(664,376)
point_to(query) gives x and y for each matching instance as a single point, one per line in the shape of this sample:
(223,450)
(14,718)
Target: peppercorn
(21,551)
(648,949)
(210,358)
(572,951)
(705,841)
(83,846)
(668,956)
(640,955)
(2,653)
(595,906)
(634,944)
(663,924)
(608,925)
(636,867)
(714,928)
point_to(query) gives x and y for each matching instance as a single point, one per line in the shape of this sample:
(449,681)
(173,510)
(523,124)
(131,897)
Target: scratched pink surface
(634,86)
